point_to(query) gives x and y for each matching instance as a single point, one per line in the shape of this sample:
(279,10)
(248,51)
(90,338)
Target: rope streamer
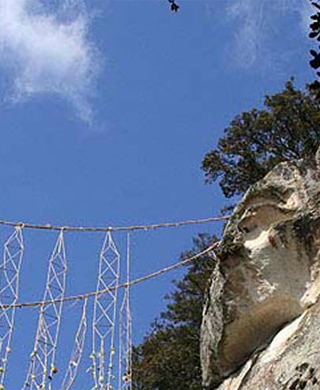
(104,315)
(9,293)
(125,333)
(77,351)
(42,365)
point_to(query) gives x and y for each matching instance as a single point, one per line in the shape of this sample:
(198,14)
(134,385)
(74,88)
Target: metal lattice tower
(9,293)
(104,316)
(42,366)
(125,333)
(77,351)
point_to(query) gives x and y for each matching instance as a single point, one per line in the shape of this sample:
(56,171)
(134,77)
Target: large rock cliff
(262,317)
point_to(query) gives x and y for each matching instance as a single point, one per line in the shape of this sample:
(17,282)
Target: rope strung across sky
(108,314)
(131,283)
(26,225)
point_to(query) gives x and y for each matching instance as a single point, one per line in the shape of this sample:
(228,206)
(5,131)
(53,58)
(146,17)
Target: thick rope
(122,285)
(115,228)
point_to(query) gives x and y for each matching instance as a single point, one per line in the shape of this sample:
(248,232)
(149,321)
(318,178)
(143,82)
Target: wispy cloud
(47,51)
(261,23)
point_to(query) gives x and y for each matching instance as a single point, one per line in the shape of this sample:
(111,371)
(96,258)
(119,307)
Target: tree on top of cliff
(287,128)
(169,357)
(315,34)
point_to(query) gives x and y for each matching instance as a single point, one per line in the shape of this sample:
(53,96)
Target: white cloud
(47,51)
(260,23)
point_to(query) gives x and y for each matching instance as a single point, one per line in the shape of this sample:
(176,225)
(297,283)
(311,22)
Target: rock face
(267,275)
(290,362)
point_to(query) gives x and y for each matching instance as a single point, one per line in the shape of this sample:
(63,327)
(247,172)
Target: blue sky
(107,109)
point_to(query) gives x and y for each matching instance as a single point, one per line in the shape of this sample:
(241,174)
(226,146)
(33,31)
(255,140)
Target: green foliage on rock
(169,357)
(315,34)
(287,128)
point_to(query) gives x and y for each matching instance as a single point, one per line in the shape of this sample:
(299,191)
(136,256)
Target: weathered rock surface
(290,362)
(267,276)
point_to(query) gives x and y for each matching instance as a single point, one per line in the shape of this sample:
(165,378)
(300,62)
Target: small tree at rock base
(169,357)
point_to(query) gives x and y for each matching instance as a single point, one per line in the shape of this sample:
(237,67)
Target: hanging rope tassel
(125,333)
(9,293)
(104,316)
(42,365)
(77,351)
